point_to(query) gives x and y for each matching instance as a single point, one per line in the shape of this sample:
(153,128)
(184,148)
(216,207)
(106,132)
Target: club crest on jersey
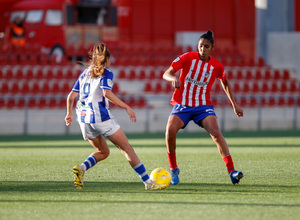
(206,75)
(176,60)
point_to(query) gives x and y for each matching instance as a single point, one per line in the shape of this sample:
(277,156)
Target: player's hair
(208,36)
(98,58)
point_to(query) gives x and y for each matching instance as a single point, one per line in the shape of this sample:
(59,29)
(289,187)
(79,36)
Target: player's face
(107,64)
(204,48)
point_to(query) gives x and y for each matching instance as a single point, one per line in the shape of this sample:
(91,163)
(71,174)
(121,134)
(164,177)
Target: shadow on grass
(107,189)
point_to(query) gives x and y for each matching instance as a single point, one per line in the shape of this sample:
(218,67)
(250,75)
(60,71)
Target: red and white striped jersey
(197,78)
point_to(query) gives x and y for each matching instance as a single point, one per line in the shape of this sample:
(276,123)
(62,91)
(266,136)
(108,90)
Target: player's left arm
(226,86)
(70,102)
(115,100)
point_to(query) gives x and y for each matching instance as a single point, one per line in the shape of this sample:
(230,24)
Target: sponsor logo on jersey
(193,81)
(176,60)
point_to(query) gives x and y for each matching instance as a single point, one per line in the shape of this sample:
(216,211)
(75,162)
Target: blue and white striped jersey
(92,106)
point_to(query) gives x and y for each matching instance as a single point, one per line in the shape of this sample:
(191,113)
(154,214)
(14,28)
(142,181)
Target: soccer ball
(161,176)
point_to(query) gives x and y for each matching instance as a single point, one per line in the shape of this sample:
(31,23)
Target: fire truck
(65,27)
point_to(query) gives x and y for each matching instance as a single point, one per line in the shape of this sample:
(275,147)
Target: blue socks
(89,162)
(141,171)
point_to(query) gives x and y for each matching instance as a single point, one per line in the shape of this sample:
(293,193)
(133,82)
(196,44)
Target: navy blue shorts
(186,113)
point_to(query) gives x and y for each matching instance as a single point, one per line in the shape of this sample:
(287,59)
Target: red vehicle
(62,27)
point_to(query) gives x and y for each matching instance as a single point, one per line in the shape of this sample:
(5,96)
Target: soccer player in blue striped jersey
(94,87)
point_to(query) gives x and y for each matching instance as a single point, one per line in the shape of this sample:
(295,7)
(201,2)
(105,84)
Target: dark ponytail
(208,36)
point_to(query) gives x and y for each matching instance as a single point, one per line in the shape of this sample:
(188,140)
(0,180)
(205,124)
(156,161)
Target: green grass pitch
(36,180)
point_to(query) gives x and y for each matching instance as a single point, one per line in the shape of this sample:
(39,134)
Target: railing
(148,105)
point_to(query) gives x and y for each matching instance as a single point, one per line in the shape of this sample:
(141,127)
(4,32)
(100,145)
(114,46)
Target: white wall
(284,50)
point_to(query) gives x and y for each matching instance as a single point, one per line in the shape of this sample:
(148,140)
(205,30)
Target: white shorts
(105,128)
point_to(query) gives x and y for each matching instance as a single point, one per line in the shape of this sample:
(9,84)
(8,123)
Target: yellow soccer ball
(161,176)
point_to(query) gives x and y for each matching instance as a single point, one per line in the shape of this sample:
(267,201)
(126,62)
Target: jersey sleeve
(106,81)
(178,63)
(76,86)
(221,73)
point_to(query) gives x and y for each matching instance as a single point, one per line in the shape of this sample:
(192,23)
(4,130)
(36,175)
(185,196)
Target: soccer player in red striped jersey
(191,101)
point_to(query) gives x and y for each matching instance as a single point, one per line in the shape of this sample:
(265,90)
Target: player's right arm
(70,102)
(169,75)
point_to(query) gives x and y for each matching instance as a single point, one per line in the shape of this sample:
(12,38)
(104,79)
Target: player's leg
(120,140)
(173,126)
(210,124)
(102,152)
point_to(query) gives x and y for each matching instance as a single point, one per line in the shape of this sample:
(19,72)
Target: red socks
(227,160)
(172,160)
(229,163)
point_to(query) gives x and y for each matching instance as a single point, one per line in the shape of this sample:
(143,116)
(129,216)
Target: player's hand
(69,119)
(176,83)
(131,114)
(238,111)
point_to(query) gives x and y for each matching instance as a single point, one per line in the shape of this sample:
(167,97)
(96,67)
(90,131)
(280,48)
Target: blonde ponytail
(98,58)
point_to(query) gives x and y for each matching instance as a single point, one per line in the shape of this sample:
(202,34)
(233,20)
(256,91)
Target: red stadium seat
(28,74)
(45,88)
(4,88)
(35,88)
(148,87)
(239,74)
(286,75)
(158,88)
(255,87)
(15,88)
(267,75)
(258,75)
(265,87)
(283,86)
(122,74)
(277,75)
(142,75)
(274,87)
(236,87)
(132,74)
(248,75)
(25,88)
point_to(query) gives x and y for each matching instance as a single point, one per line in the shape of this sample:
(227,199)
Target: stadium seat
(59,74)
(132,74)
(274,87)
(255,87)
(152,74)
(4,88)
(283,87)
(245,88)
(39,74)
(253,102)
(35,88)
(148,87)
(169,88)
(54,88)
(239,75)
(276,75)
(267,75)
(8,74)
(286,74)
(142,75)
(258,75)
(265,87)
(15,88)
(28,74)
(248,75)
(281,101)
(236,87)
(25,88)
(11,103)
(158,87)
(20,103)
(49,74)
(122,74)
(45,88)
(293,87)
(19,74)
